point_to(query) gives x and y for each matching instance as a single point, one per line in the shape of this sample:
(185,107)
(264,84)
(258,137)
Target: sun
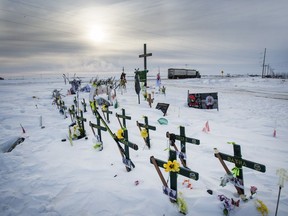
(97,34)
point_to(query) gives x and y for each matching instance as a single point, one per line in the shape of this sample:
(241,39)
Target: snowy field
(47,176)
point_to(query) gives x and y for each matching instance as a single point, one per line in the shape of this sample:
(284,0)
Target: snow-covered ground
(46,176)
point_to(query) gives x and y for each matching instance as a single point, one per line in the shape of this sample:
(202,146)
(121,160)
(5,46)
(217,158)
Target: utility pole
(263,66)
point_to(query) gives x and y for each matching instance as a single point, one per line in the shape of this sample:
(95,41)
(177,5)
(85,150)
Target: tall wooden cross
(145,55)
(81,120)
(172,191)
(183,139)
(125,141)
(147,127)
(239,163)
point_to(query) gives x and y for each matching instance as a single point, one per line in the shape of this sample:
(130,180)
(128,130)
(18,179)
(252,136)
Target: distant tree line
(282,75)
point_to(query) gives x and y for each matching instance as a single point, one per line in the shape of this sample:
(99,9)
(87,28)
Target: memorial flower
(172,166)
(104,107)
(145,95)
(75,131)
(253,190)
(120,134)
(144,133)
(92,105)
(182,205)
(261,207)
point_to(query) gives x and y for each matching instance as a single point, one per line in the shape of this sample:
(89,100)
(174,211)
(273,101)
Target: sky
(41,37)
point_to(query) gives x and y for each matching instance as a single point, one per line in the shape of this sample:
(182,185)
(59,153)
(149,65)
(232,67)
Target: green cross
(125,141)
(183,139)
(239,163)
(173,175)
(81,120)
(98,126)
(147,127)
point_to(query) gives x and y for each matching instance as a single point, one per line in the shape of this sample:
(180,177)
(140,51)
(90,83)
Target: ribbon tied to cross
(236,171)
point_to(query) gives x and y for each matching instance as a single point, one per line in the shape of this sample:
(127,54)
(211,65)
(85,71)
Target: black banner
(203,100)
(163,107)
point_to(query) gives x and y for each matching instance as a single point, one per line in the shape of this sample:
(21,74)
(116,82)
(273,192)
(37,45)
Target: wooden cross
(75,102)
(183,139)
(81,120)
(173,175)
(62,108)
(125,141)
(239,163)
(106,110)
(150,100)
(72,113)
(145,55)
(98,126)
(84,105)
(147,127)
(93,106)
(125,157)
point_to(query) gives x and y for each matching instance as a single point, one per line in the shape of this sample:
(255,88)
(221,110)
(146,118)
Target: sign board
(242,162)
(203,100)
(163,107)
(142,75)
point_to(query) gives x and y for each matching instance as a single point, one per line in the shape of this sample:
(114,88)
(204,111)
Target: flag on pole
(206,128)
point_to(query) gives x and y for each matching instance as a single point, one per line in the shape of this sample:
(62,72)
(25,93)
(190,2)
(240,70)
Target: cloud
(43,35)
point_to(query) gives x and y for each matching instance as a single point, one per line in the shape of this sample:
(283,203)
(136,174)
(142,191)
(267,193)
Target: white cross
(283,176)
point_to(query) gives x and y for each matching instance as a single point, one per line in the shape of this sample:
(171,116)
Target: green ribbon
(236,171)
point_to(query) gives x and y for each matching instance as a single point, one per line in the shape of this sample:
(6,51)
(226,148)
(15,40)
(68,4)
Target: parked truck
(177,73)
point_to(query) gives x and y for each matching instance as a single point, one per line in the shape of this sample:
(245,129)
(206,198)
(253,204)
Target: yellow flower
(172,166)
(92,105)
(120,134)
(144,133)
(182,205)
(104,108)
(261,207)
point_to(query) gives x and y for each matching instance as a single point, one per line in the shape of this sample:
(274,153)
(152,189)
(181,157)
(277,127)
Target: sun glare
(97,34)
